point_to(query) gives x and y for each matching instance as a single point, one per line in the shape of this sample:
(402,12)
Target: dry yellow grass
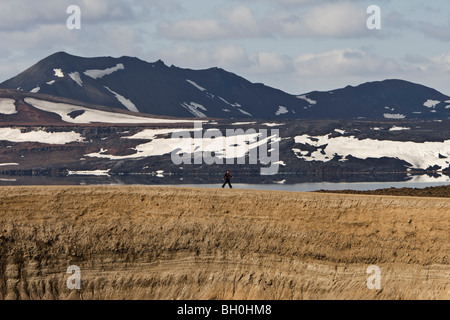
(177,243)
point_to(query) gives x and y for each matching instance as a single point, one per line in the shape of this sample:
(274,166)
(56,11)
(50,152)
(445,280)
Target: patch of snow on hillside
(193,108)
(245,112)
(196,85)
(310,101)
(273,124)
(394,116)
(16,135)
(75,76)
(395,128)
(418,155)
(8,164)
(340,131)
(431,103)
(98,74)
(124,101)
(36,90)
(237,105)
(7,106)
(150,134)
(51,82)
(93,115)
(58,73)
(223,147)
(281,110)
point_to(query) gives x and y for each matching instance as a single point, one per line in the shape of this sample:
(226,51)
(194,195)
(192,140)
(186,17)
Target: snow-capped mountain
(155,88)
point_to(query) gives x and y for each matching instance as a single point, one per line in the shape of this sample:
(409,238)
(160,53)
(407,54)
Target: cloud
(344,62)
(439,32)
(336,20)
(333,20)
(269,63)
(25,15)
(238,22)
(224,56)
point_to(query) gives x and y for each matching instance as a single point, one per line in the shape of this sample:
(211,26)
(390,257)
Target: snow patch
(8,164)
(124,101)
(58,73)
(237,105)
(223,147)
(150,134)
(395,128)
(98,74)
(340,131)
(245,112)
(273,124)
(418,155)
(310,101)
(431,103)
(281,110)
(75,76)
(16,135)
(193,108)
(7,106)
(196,85)
(394,116)
(93,115)
(51,82)
(36,90)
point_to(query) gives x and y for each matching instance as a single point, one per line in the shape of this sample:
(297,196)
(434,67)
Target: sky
(297,46)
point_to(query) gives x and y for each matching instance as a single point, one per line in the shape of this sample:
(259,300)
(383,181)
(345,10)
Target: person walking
(227,177)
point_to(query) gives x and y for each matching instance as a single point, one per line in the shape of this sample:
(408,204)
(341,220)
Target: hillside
(176,243)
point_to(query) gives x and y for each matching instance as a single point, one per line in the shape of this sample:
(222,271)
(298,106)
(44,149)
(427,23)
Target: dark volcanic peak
(393,98)
(155,88)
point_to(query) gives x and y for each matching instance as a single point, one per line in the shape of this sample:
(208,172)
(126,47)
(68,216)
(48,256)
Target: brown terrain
(442,192)
(134,242)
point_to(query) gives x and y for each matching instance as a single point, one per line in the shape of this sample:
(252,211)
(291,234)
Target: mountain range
(129,83)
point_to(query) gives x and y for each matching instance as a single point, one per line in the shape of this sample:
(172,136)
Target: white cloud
(344,62)
(269,63)
(237,22)
(329,20)
(223,56)
(334,20)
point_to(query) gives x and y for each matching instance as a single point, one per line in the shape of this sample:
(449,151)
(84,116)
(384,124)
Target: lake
(420,181)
